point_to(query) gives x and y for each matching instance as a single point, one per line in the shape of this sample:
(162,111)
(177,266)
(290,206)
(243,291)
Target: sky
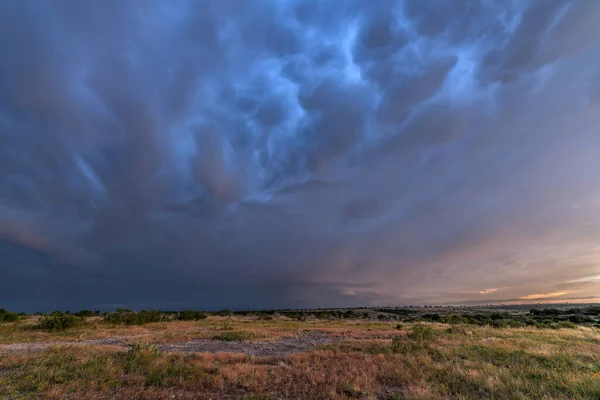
(281,154)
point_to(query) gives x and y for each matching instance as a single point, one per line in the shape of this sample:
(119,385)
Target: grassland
(398,353)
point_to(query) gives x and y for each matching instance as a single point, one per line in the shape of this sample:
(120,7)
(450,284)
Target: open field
(388,353)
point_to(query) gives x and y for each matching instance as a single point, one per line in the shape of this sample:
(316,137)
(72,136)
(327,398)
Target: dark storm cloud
(281,154)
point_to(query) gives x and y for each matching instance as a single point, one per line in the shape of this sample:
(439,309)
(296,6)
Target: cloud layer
(291,154)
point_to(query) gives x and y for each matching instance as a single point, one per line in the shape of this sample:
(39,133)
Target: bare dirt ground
(276,348)
(34,347)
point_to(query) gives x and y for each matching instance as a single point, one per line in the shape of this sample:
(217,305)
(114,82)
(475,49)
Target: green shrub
(264,317)
(85,313)
(322,315)
(400,345)
(432,317)
(136,349)
(566,324)
(7,316)
(127,317)
(417,339)
(397,311)
(58,321)
(140,358)
(421,333)
(190,315)
(593,310)
(235,336)
(457,330)
(224,313)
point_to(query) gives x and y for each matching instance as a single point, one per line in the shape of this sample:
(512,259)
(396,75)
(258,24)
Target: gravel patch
(277,348)
(34,347)
(280,347)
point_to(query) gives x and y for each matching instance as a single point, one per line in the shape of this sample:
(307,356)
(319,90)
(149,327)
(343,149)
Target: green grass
(421,362)
(374,358)
(235,336)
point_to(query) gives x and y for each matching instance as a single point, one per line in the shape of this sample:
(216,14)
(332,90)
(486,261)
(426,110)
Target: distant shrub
(190,315)
(322,315)
(85,313)
(456,330)
(58,321)
(432,317)
(7,316)
(506,323)
(224,313)
(142,349)
(235,336)
(455,319)
(397,311)
(398,326)
(566,324)
(127,317)
(417,339)
(593,310)
(421,333)
(579,319)
(546,311)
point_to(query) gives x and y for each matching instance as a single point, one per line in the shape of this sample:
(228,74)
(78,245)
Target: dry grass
(422,363)
(178,331)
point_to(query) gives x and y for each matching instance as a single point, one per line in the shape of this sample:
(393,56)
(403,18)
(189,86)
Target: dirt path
(280,347)
(277,348)
(34,347)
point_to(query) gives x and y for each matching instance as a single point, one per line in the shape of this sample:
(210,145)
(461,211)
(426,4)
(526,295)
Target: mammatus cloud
(293,154)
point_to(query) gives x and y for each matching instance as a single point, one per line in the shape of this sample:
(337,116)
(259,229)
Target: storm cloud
(270,154)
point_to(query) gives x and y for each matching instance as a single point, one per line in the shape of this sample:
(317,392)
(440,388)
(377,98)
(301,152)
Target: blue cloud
(221,153)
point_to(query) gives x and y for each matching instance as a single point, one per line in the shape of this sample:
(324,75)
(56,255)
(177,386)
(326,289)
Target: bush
(456,319)
(58,321)
(432,317)
(421,333)
(7,316)
(190,315)
(418,339)
(127,317)
(224,313)
(566,324)
(593,310)
(85,313)
(235,336)
(400,345)
(458,330)
(141,357)
(322,315)
(137,349)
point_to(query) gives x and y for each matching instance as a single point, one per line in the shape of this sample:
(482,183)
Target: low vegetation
(391,354)
(235,336)
(58,321)
(6,316)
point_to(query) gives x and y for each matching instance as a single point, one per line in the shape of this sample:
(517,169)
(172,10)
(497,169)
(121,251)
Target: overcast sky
(270,154)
